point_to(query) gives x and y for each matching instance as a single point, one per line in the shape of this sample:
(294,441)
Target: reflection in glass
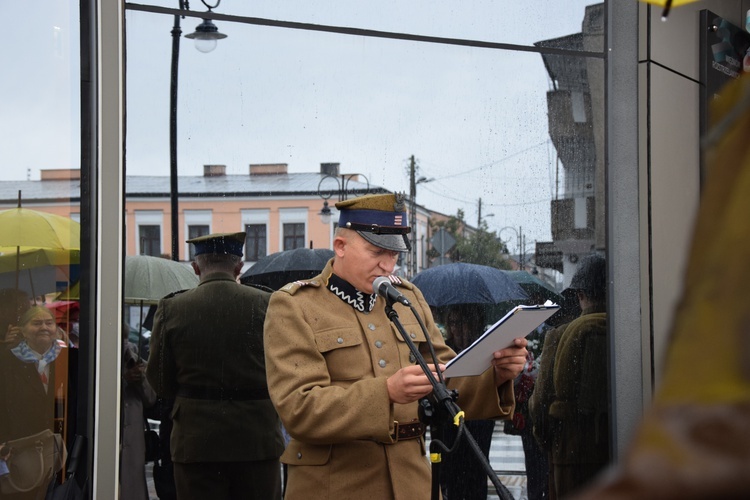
(512,141)
(40,192)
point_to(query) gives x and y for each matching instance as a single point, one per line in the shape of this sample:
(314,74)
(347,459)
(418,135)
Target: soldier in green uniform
(207,354)
(342,378)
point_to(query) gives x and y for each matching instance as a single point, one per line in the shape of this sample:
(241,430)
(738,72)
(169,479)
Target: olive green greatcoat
(211,336)
(327,365)
(569,406)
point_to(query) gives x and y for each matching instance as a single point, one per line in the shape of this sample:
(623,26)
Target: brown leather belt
(411,430)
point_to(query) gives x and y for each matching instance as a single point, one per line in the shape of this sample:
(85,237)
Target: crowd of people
(315,378)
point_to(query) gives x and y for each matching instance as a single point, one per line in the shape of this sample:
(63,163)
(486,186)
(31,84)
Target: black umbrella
(280,268)
(462,283)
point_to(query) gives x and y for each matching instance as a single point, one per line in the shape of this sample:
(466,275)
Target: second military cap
(378,218)
(219,243)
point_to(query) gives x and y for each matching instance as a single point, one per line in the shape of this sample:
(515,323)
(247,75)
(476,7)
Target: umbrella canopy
(73,292)
(26,228)
(538,290)
(32,239)
(461,283)
(148,279)
(280,268)
(29,257)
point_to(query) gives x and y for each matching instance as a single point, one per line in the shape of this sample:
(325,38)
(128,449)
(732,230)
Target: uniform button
(340,340)
(299,455)
(371,326)
(413,335)
(382,363)
(378,344)
(412,359)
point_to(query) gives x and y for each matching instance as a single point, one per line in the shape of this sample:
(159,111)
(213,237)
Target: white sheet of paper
(519,322)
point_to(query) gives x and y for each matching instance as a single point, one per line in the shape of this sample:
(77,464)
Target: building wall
(227,216)
(669,123)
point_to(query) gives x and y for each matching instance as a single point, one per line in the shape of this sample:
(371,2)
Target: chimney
(214,170)
(329,169)
(268,169)
(61,174)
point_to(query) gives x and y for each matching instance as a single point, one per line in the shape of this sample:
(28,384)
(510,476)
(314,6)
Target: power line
(496,162)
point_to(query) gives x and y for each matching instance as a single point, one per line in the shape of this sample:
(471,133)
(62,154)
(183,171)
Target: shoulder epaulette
(399,281)
(295,286)
(174,294)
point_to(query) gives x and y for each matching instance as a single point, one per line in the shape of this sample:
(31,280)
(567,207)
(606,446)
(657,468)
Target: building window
(195,231)
(255,241)
(150,239)
(294,236)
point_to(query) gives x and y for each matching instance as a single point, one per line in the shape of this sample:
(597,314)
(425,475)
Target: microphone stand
(445,408)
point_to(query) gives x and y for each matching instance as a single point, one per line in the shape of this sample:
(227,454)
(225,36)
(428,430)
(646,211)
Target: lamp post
(342,189)
(521,245)
(205,37)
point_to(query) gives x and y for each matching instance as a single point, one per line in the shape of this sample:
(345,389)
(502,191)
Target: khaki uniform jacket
(327,365)
(211,337)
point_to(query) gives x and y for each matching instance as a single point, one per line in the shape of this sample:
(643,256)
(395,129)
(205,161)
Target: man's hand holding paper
(509,362)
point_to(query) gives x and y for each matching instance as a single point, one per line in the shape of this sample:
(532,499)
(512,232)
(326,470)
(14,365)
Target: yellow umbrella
(23,227)
(30,257)
(668,4)
(72,293)
(38,239)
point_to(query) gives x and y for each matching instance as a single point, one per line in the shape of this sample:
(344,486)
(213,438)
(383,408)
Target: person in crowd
(535,459)
(13,303)
(207,353)
(343,380)
(569,405)
(137,395)
(33,385)
(461,475)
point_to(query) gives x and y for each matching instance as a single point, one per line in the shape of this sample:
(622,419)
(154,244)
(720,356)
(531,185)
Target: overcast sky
(474,119)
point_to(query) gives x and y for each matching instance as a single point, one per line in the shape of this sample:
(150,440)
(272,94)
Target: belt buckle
(394,436)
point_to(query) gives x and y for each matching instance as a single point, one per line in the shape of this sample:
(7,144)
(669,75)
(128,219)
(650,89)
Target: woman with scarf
(33,386)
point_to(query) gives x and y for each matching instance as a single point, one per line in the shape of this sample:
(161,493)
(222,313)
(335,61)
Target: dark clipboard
(519,322)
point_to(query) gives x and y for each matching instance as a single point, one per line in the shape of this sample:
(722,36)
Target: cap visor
(393,242)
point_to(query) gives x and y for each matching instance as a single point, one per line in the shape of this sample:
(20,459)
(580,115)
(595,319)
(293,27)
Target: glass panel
(507,150)
(518,22)
(255,244)
(40,256)
(150,237)
(294,236)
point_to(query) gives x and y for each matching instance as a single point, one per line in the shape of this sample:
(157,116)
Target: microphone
(383,287)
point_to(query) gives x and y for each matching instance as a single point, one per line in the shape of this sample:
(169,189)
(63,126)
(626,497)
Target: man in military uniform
(343,380)
(207,354)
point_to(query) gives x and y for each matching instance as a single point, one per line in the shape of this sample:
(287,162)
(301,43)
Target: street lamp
(205,36)
(342,188)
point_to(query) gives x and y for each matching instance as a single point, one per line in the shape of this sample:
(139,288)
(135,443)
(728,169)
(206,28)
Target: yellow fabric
(675,3)
(710,347)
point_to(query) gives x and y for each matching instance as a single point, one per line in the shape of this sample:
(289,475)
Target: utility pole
(412,261)
(479,214)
